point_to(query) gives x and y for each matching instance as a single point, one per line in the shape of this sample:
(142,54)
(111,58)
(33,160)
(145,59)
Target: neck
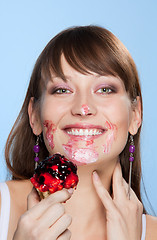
(85,207)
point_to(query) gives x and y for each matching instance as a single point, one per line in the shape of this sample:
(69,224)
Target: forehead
(68,71)
(63,64)
(73,76)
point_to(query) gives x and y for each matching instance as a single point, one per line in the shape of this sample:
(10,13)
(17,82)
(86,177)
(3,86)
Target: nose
(83,107)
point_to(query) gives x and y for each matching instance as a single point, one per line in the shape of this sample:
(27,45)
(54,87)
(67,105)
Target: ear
(136,117)
(34,118)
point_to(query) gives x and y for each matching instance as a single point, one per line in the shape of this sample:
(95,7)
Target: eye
(60,91)
(105,90)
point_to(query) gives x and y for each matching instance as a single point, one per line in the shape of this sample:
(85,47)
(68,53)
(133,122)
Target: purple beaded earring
(131,159)
(36,150)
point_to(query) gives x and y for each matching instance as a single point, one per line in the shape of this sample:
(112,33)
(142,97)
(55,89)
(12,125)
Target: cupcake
(54,174)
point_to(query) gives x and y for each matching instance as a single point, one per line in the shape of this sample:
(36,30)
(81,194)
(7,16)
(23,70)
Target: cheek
(50,118)
(124,118)
(49,130)
(53,109)
(118,114)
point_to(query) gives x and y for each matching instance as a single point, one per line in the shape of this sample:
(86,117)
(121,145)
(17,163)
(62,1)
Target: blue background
(26,27)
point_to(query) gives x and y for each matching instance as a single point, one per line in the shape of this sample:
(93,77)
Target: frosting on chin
(81,156)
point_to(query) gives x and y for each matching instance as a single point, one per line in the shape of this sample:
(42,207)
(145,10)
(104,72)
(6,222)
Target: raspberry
(55,173)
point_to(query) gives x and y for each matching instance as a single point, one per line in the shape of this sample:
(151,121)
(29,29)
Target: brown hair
(86,49)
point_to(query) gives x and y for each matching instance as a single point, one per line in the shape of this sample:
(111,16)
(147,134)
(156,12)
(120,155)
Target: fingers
(65,236)
(133,196)
(103,193)
(51,215)
(32,199)
(37,210)
(32,230)
(60,226)
(119,192)
(45,219)
(122,213)
(119,185)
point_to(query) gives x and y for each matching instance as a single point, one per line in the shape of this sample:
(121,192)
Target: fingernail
(70,190)
(95,175)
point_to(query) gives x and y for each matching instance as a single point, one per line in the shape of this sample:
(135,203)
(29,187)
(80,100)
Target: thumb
(103,193)
(33,198)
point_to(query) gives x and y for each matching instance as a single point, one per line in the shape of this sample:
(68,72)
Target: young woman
(84,101)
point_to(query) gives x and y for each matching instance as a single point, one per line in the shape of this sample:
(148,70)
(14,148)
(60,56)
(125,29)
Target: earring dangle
(36,150)
(131,159)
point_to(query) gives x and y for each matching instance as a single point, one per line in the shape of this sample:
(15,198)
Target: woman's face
(87,118)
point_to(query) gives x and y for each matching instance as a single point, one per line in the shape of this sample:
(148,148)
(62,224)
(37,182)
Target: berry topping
(55,173)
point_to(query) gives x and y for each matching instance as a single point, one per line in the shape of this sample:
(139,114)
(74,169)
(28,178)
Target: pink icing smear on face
(85,109)
(111,136)
(80,156)
(49,132)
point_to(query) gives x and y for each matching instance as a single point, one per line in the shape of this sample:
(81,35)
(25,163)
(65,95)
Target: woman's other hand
(45,219)
(123,216)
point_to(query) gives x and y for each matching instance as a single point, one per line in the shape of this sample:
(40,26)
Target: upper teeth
(84,132)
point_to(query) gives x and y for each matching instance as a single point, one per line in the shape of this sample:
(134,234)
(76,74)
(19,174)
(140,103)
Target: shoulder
(19,188)
(16,185)
(19,191)
(151,227)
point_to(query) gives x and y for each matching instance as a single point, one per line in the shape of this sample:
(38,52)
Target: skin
(51,218)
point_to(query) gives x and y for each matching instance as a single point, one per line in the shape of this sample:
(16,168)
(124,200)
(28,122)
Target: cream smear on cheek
(50,129)
(84,109)
(80,156)
(111,136)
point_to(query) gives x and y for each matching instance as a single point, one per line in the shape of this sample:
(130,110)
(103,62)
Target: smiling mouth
(81,132)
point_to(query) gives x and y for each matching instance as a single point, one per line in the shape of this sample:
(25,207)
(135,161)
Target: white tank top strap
(143,237)
(5,210)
